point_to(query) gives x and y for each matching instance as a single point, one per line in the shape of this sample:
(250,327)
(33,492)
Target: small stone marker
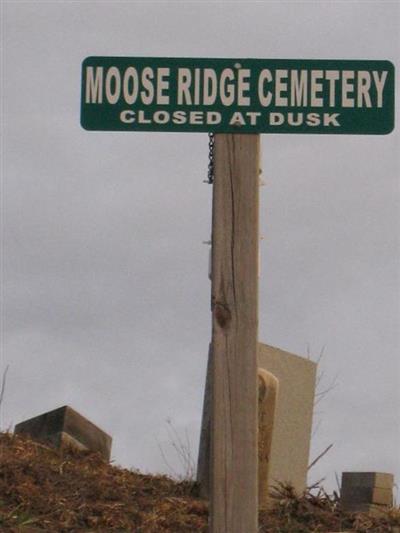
(366,491)
(268,394)
(291,437)
(64,426)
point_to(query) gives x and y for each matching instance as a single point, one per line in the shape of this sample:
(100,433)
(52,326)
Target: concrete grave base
(366,492)
(65,427)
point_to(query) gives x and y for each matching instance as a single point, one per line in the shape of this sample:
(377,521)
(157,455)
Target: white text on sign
(279,88)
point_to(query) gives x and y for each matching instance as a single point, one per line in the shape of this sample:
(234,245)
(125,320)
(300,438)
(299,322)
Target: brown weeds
(57,491)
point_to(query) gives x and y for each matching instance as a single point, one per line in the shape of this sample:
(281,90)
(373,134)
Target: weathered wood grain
(235,239)
(268,387)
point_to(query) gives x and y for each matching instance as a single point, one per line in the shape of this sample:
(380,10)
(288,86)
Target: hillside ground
(43,489)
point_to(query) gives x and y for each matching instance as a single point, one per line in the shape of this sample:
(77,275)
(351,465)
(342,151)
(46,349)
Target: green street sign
(237,95)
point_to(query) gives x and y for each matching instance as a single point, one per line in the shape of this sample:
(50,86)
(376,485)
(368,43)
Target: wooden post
(234,502)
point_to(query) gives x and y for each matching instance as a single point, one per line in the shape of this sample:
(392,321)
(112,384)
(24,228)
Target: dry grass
(60,491)
(42,489)
(317,511)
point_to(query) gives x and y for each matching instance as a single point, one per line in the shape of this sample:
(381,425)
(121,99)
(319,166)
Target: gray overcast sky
(106,295)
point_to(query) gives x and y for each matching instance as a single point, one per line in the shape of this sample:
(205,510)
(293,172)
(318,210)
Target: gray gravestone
(291,435)
(64,426)
(366,491)
(293,417)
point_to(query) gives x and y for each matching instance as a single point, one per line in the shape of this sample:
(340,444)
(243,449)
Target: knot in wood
(222,314)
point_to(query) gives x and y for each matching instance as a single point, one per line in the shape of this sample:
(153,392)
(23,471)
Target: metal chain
(211,141)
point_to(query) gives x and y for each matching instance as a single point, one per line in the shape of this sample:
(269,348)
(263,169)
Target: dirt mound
(68,490)
(42,489)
